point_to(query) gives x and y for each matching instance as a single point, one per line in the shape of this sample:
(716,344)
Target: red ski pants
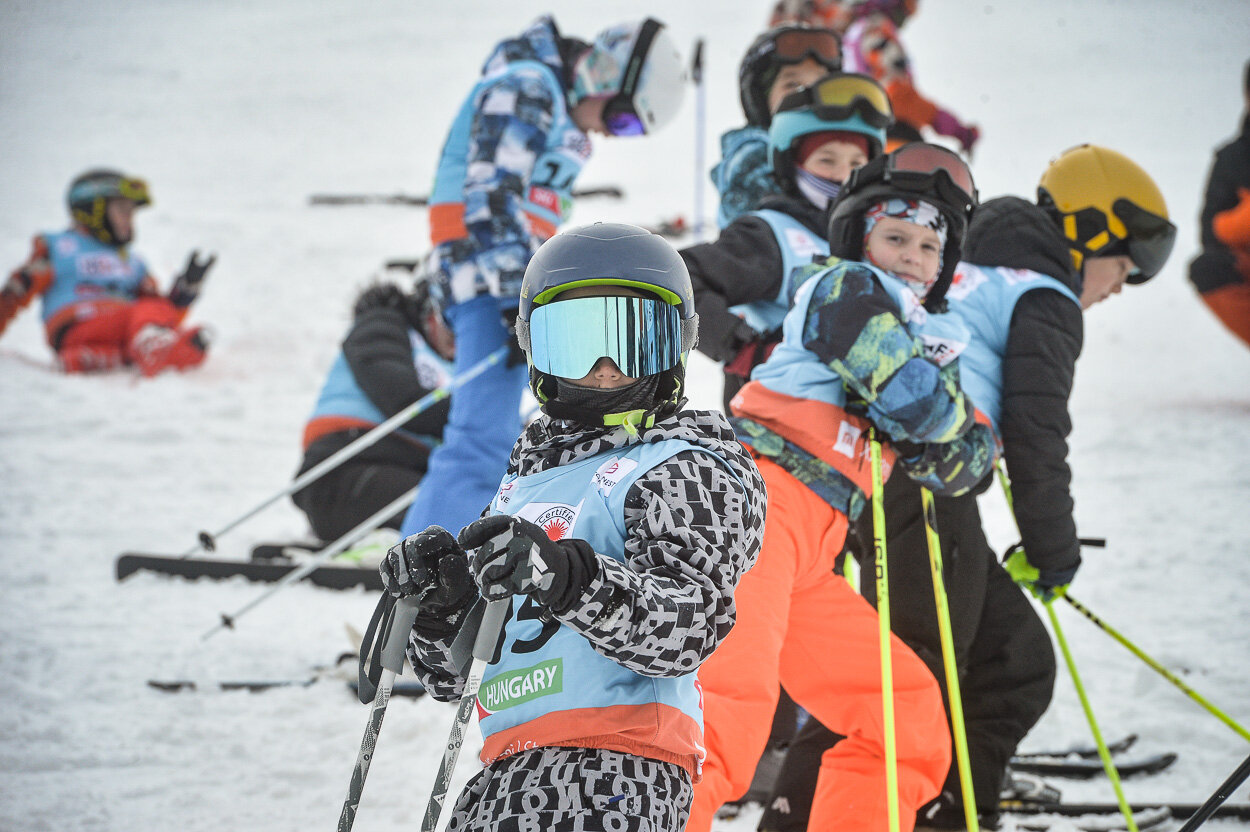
(103,337)
(802,626)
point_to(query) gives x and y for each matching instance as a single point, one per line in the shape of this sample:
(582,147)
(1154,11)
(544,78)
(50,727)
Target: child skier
(504,185)
(397,350)
(621,529)
(1030,270)
(776,64)
(1221,273)
(743,281)
(859,349)
(101,307)
(871,44)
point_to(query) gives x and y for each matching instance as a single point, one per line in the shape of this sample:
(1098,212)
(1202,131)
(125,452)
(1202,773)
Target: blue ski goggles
(568,337)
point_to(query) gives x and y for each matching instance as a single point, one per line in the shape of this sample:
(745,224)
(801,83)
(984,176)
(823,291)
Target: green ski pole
(948,661)
(1103,752)
(1158,668)
(883,617)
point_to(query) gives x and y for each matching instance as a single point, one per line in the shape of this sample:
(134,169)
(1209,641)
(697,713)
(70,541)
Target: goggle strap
(638,56)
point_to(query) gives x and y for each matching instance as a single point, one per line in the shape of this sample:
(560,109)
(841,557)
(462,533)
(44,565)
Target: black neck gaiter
(637,396)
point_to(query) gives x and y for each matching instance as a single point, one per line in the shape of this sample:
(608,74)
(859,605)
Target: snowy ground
(236,111)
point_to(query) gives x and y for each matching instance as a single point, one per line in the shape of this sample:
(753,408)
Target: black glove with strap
(187,285)
(516,557)
(432,566)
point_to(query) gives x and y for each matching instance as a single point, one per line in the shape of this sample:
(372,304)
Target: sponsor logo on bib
(517,687)
(611,473)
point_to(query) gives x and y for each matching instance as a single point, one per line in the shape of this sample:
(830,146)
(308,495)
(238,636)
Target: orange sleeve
(1232,227)
(909,105)
(35,276)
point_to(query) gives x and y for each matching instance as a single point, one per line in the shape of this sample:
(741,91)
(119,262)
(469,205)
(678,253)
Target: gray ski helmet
(914,171)
(790,43)
(609,255)
(88,198)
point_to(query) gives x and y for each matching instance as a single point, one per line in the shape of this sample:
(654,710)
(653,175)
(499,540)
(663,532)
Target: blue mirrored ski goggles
(642,335)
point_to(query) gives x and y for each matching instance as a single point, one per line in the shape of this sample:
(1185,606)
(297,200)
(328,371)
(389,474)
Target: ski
(607,191)
(330,577)
(249,685)
(1083,767)
(1082,750)
(1099,822)
(284,551)
(1239,811)
(409,688)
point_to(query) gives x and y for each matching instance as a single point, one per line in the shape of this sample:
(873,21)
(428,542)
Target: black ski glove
(432,565)
(187,285)
(422,564)
(516,557)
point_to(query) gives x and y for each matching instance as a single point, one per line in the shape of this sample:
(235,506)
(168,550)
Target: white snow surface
(236,111)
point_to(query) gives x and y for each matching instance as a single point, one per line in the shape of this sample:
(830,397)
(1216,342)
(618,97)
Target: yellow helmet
(1106,205)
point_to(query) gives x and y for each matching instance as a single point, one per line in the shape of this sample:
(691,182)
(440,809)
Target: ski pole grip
(488,632)
(397,639)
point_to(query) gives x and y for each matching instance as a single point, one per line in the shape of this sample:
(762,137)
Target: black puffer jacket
(743,265)
(378,349)
(1042,347)
(1215,266)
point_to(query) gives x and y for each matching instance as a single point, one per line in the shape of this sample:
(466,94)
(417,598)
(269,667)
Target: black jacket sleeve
(1215,266)
(743,265)
(378,350)
(1042,347)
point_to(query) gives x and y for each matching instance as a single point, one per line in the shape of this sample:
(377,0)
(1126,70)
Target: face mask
(638,396)
(820,192)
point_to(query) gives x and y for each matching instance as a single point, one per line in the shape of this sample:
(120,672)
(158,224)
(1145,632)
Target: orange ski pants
(801,625)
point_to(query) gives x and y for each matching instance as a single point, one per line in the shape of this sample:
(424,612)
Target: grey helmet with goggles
(639,70)
(643,319)
(88,198)
(778,47)
(923,171)
(839,102)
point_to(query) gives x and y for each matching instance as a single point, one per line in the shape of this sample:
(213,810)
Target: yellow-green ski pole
(1158,668)
(948,661)
(883,617)
(1107,763)
(1103,752)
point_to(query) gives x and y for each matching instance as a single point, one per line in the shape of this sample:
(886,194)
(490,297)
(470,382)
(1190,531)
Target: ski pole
(483,652)
(374,521)
(1223,793)
(1103,752)
(883,630)
(948,661)
(404,613)
(700,122)
(1158,668)
(208,542)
